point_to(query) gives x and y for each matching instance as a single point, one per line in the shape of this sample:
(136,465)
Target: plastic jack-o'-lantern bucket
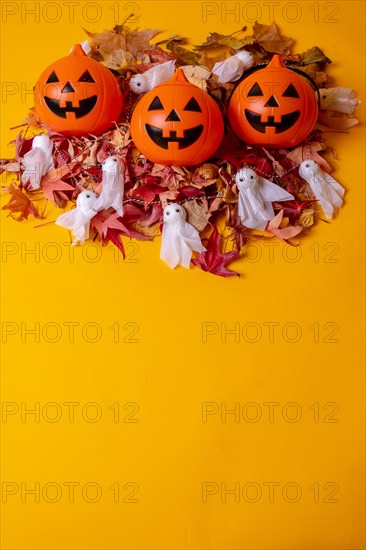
(274,106)
(76,95)
(177,123)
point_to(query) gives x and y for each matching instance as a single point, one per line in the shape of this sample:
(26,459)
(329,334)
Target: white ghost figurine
(112,186)
(325,188)
(179,238)
(343,100)
(144,82)
(256,195)
(38,161)
(233,67)
(78,219)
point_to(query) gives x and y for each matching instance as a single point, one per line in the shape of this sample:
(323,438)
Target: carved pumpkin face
(273,106)
(177,123)
(76,95)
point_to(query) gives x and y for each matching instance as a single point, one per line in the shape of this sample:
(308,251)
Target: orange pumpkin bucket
(274,106)
(76,95)
(177,123)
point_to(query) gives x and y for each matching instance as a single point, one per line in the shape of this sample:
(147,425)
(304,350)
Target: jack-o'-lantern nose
(68,88)
(272,102)
(173,116)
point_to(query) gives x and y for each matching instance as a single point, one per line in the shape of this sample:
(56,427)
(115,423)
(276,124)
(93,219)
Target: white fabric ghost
(256,195)
(112,186)
(38,161)
(325,188)
(144,82)
(343,100)
(78,219)
(179,238)
(233,67)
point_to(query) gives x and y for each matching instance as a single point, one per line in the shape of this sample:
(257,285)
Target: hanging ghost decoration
(144,82)
(112,186)
(179,238)
(343,100)
(233,67)
(38,161)
(256,195)
(78,219)
(325,188)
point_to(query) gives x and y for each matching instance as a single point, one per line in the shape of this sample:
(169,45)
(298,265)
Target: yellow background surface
(154,457)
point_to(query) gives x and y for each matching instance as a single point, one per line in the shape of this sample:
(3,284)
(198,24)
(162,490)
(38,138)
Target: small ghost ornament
(179,238)
(325,188)
(233,67)
(112,186)
(38,161)
(78,219)
(144,82)
(343,100)
(256,195)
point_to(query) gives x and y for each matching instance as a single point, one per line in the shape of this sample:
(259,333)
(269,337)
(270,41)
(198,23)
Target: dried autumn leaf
(313,55)
(336,120)
(269,37)
(118,59)
(301,153)
(307,218)
(294,209)
(197,75)
(283,233)
(214,261)
(197,215)
(20,203)
(54,191)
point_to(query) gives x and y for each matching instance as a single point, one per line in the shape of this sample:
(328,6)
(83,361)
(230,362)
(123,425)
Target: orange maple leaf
(19,202)
(283,233)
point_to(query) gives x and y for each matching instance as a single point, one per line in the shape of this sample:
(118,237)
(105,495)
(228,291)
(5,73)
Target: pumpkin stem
(77,50)
(179,76)
(276,61)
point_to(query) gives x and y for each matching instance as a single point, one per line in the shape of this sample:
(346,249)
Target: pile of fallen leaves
(208,191)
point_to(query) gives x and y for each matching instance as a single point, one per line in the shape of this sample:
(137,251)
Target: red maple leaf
(147,192)
(293,209)
(109,228)
(19,202)
(214,261)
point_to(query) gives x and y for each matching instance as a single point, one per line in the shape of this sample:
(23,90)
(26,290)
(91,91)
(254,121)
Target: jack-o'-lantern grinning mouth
(190,136)
(287,121)
(85,107)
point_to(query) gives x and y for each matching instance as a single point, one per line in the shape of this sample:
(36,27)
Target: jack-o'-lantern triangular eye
(52,78)
(290,91)
(255,90)
(86,77)
(192,105)
(156,105)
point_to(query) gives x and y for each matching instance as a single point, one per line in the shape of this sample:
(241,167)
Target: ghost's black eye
(86,77)
(52,78)
(307,165)
(88,196)
(167,213)
(255,90)
(156,105)
(138,83)
(192,105)
(251,177)
(290,91)
(177,210)
(241,179)
(114,160)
